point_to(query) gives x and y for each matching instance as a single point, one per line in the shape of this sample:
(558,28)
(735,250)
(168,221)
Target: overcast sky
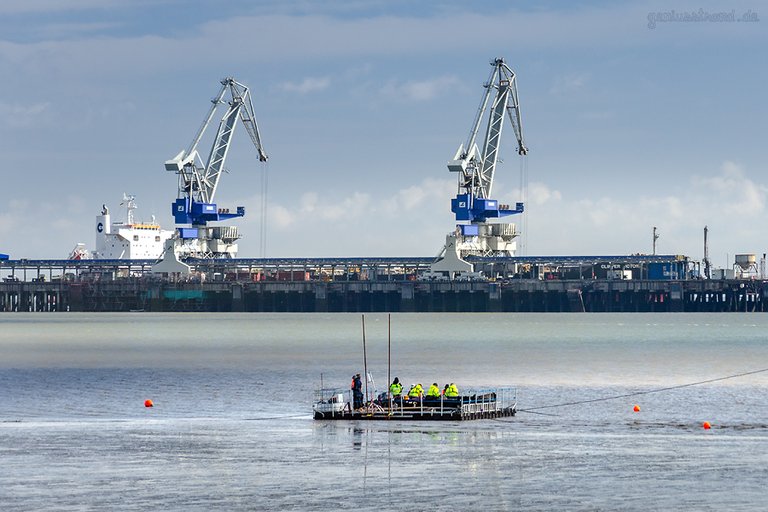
(630,124)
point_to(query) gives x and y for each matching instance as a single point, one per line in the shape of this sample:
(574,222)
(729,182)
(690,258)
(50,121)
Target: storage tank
(746,261)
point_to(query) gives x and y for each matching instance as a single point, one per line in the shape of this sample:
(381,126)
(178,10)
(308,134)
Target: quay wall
(144,294)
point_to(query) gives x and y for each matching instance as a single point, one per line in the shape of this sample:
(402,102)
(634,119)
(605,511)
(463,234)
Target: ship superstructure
(128,240)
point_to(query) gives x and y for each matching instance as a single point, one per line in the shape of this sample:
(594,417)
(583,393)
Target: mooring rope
(279,417)
(638,393)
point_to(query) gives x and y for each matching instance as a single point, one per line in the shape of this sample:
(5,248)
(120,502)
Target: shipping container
(723,273)
(573,272)
(666,271)
(623,274)
(240,276)
(292,275)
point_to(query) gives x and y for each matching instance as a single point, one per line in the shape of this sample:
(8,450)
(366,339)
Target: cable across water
(638,393)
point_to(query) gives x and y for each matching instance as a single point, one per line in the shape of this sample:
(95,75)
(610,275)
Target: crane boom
(214,105)
(219,153)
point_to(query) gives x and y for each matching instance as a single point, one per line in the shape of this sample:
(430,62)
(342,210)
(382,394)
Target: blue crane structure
(476,168)
(481,230)
(198,181)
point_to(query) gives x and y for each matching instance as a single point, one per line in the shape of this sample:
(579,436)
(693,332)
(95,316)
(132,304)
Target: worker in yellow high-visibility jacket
(396,389)
(416,391)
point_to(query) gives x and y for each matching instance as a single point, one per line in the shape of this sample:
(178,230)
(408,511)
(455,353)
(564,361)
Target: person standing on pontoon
(357,391)
(396,389)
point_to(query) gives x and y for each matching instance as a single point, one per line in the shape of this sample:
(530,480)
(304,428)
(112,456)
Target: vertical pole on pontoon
(389,357)
(321,396)
(365,362)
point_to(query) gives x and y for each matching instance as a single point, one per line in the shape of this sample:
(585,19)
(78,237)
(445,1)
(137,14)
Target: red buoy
(148,403)
(706,425)
(636,408)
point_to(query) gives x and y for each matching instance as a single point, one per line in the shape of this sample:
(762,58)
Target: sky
(635,116)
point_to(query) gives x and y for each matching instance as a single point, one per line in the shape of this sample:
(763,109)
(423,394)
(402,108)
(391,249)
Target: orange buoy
(148,403)
(636,408)
(706,425)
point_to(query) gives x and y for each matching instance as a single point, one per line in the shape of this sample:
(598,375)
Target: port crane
(199,180)
(481,229)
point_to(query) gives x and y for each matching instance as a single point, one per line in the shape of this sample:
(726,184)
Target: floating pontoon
(336,404)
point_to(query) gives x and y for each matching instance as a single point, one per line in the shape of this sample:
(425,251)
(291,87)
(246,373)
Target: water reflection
(377,433)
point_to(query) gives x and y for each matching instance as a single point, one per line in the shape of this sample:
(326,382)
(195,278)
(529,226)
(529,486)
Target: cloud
(413,219)
(280,217)
(569,83)
(49,6)
(66,30)
(361,223)
(308,85)
(323,36)
(423,90)
(310,209)
(350,207)
(308,202)
(49,229)
(728,202)
(540,194)
(737,194)
(9,221)
(16,115)
(418,197)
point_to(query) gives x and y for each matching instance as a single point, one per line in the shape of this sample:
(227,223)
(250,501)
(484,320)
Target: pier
(565,284)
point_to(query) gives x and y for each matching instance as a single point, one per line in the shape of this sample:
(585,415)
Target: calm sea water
(231,427)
